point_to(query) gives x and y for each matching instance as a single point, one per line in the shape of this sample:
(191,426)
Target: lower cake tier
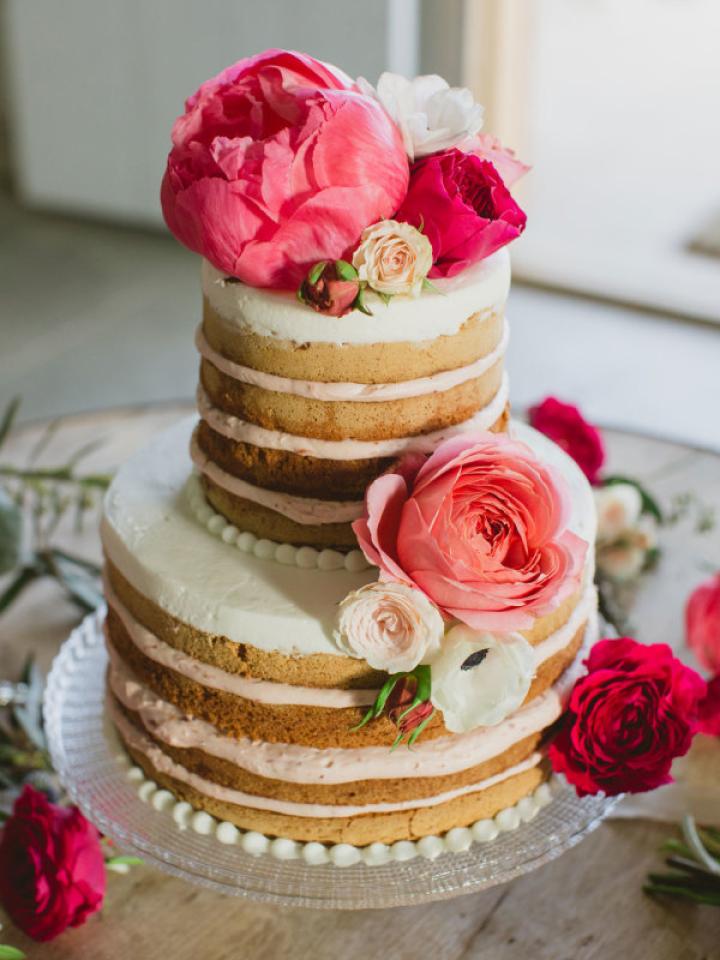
(353,795)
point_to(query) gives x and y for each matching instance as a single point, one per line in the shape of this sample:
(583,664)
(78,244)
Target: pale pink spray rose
(480,527)
(277,163)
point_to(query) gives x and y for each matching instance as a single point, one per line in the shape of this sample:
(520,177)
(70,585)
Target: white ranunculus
(479,679)
(430,114)
(393,258)
(390,625)
(618,508)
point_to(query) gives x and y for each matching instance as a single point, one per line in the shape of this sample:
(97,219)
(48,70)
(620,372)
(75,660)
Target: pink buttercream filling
(356,392)
(240,430)
(303,764)
(138,742)
(304,510)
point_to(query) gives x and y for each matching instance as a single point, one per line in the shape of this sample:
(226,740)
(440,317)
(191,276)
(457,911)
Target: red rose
(635,710)
(462,205)
(564,424)
(710,709)
(702,623)
(52,869)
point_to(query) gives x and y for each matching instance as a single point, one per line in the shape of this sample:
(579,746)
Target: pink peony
(567,427)
(277,163)
(462,205)
(52,869)
(479,527)
(627,719)
(702,623)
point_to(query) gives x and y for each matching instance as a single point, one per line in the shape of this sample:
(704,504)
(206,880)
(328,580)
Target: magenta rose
(567,427)
(628,718)
(52,869)
(710,709)
(702,623)
(277,163)
(461,204)
(327,288)
(479,527)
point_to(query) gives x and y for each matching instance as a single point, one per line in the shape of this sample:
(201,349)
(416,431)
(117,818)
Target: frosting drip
(240,430)
(140,743)
(355,392)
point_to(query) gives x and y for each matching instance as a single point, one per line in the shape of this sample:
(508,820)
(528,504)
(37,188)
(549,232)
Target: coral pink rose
(462,205)
(567,427)
(277,163)
(702,623)
(52,869)
(628,718)
(710,709)
(479,527)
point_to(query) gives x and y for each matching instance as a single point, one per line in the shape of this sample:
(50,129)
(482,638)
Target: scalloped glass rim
(85,755)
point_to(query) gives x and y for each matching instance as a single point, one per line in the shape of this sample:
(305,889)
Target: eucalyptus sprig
(33,501)
(695,866)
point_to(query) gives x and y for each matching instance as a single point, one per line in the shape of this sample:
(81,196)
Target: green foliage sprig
(695,866)
(33,501)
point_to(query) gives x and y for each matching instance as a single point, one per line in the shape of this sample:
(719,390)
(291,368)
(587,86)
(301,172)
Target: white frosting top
(274,313)
(150,534)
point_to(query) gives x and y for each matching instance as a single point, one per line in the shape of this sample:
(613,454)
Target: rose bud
(400,710)
(331,287)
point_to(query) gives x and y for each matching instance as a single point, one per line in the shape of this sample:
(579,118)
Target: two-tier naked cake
(345,604)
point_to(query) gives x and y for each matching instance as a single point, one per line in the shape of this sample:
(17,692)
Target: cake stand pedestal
(91,764)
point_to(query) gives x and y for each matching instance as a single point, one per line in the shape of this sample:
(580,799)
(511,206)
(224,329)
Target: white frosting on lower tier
(162,763)
(273,313)
(264,691)
(356,392)
(305,510)
(152,537)
(240,430)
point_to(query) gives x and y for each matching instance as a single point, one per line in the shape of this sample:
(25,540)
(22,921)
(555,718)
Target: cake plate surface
(91,764)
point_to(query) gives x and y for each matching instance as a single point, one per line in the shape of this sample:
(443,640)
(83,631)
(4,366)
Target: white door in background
(96,84)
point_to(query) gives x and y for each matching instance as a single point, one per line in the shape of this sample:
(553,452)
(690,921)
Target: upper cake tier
(301,410)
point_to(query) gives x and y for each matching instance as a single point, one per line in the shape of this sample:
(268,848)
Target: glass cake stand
(89,760)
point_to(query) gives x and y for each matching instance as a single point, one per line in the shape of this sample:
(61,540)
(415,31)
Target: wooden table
(587,904)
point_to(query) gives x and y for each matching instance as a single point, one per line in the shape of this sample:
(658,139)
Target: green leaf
(8,418)
(128,861)
(429,285)
(385,297)
(10,533)
(359,302)
(377,707)
(29,715)
(649,503)
(23,578)
(81,585)
(316,271)
(300,295)
(11,953)
(345,270)
(419,728)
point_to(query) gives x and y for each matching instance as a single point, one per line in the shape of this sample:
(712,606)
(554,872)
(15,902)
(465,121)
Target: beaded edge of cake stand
(307,558)
(456,840)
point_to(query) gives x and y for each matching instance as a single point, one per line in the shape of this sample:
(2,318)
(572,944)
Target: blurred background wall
(615,103)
